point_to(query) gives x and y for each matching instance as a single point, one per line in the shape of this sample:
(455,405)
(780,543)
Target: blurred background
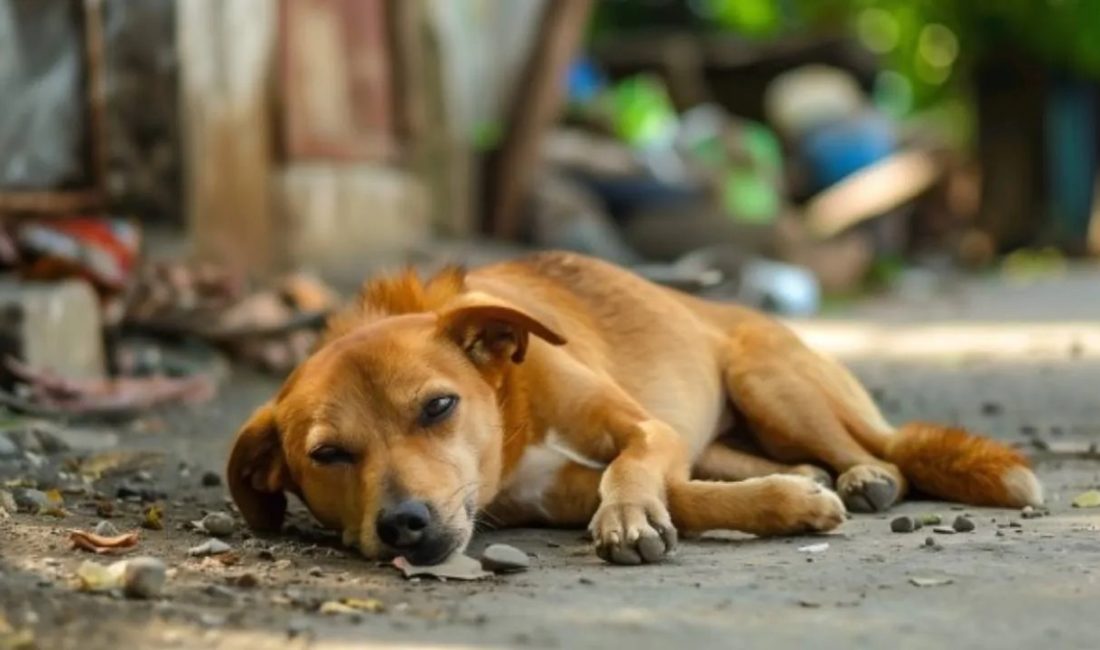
(219,171)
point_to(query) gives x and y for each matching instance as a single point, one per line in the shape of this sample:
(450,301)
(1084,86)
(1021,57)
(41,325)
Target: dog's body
(560,390)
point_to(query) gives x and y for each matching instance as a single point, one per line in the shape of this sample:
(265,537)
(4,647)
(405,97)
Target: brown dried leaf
(101,545)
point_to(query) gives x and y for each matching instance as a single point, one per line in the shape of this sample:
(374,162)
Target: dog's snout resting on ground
(560,390)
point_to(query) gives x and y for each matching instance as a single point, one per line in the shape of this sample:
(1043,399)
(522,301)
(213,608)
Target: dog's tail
(955,465)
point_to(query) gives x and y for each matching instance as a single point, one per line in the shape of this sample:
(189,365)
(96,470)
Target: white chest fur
(539,467)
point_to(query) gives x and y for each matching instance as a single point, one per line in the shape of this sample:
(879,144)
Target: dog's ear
(257,473)
(491,331)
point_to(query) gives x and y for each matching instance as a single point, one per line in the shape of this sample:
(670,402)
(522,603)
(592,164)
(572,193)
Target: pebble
(211,479)
(944,530)
(106,529)
(502,558)
(144,577)
(963,525)
(219,524)
(1015,524)
(211,546)
(7,447)
(930,520)
(1029,512)
(147,494)
(904,524)
(315,571)
(246,581)
(32,501)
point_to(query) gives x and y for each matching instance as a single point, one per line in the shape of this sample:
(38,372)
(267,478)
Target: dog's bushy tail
(955,465)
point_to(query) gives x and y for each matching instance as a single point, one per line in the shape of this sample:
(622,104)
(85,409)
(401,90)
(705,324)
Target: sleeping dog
(560,390)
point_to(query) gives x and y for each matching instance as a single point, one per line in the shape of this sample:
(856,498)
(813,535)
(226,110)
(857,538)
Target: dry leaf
(352,606)
(113,545)
(457,567)
(92,576)
(153,516)
(1090,499)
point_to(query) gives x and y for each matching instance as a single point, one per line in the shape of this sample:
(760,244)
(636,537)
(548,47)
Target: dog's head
(390,432)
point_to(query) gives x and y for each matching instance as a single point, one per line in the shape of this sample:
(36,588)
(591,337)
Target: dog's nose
(405,525)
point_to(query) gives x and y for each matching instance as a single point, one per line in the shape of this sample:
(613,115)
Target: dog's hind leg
(781,388)
(771,505)
(719,462)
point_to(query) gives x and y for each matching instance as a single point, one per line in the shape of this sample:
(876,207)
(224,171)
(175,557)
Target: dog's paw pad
(866,488)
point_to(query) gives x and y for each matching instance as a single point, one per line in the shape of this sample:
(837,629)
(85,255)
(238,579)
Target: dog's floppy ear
(489,331)
(257,473)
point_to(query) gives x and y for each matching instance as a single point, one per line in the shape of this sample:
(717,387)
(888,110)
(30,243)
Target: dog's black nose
(405,525)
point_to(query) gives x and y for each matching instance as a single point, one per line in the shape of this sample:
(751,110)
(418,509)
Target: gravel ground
(1013,582)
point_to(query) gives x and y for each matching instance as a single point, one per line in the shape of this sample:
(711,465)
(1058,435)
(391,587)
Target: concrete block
(54,326)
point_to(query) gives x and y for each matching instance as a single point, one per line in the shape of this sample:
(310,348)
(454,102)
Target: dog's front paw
(633,533)
(796,504)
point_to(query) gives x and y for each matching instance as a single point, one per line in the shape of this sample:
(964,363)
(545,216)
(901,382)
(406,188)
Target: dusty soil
(1012,583)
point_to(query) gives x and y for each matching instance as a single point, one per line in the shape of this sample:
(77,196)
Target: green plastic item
(642,112)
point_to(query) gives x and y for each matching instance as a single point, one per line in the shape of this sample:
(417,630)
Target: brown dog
(560,390)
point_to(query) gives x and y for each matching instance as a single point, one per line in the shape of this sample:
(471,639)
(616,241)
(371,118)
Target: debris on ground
(153,518)
(352,606)
(105,529)
(52,395)
(963,524)
(272,328)
(103,545)
(1089,499)
(144,577)
(457,567)
(944,530)
(216,524)
(211,479)
(110,463)
(814,548)
(212,546)
(904,524)
(930,582)
(930,519)
(503,558)
(1029,512)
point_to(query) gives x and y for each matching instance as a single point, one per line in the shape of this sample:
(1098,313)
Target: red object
(102,250)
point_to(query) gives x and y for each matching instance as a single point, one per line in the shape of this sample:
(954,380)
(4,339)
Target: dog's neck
(518,428)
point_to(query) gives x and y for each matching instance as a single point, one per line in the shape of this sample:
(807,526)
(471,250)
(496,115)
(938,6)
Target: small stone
(963,525)
(143,476)
(930,520)
(1015,524)
(1029,512)
(221,593)
(104,508)
(502,558)
(211,479)
(265,554)
(8,449)
(246,581)
(210,619)
(315,571)
(992,408)
(1000,533)
(144,577)
(106,529)
(944,530)
(32,501)
(211,546)
(904,524)
(219,524)
(929,541)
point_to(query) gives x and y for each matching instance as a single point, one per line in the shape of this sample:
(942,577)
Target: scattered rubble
(502,558)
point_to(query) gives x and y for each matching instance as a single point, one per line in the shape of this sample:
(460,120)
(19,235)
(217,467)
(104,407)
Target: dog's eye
(331,455)
(437,409)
